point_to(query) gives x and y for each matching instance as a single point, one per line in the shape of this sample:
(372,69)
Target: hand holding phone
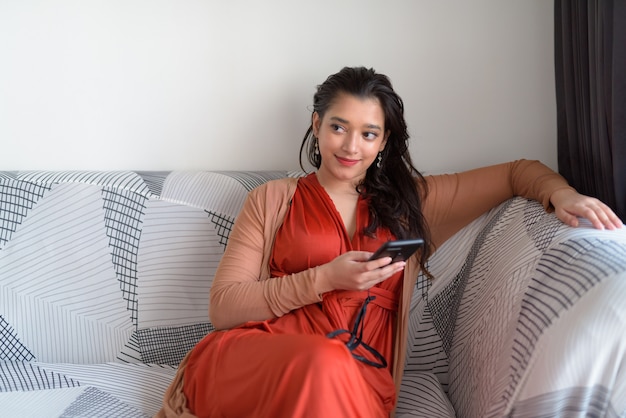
(399,250)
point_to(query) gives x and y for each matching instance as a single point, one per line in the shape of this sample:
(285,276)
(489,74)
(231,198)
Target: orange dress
(301,364)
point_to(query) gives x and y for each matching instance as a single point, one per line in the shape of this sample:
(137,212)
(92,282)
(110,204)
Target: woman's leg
(250,372)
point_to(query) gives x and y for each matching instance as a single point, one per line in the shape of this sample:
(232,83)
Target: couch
(104,282)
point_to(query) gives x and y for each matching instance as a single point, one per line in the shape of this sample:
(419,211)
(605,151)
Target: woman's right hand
(354,271)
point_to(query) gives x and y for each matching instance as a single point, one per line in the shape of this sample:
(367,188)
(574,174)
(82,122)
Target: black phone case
(399,250)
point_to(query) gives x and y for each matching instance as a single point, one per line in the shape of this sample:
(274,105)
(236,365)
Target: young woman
(307,324)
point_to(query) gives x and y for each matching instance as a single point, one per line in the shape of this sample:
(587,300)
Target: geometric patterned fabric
(16,199)
(96,403)
(122,219)
(104,281)
(108,267)
(11,349)
(502,326)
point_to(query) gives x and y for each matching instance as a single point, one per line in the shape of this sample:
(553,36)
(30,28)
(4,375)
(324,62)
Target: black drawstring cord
(356,337)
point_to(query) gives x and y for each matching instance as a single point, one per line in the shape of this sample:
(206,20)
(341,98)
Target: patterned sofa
(104,281)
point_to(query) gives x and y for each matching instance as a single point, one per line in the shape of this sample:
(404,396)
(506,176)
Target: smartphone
(398,250)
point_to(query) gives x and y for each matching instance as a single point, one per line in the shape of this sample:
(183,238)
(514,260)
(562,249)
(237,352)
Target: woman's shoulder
(276,190)
(281,185)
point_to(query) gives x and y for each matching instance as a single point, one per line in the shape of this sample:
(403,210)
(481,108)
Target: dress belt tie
(386,301)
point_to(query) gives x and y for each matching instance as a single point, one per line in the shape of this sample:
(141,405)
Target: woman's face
(350,136)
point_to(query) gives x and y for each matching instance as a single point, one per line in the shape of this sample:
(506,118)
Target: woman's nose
(350,142)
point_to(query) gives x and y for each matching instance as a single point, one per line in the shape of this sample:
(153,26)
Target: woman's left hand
(569,205)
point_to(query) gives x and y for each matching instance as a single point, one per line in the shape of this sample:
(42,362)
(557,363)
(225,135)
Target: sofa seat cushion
(72,390)
(421,395)
(31,389)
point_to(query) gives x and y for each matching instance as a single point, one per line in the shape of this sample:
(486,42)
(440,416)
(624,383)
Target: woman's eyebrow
(340,120)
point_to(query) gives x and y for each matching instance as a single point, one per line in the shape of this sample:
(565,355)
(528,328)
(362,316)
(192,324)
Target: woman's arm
(455,200)
(242,289)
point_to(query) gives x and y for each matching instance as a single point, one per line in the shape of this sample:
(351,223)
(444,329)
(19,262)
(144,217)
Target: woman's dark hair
(396,190)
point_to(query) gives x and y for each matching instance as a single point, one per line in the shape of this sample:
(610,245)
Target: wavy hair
(396,190)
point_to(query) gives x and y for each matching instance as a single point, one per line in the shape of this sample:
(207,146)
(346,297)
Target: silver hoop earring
(380,158)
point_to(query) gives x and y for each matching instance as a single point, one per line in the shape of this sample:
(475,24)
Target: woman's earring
(317,147)
(380,158)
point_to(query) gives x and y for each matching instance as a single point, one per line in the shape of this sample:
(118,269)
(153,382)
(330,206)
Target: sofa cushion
(421,395)
(100,267)
(74,390)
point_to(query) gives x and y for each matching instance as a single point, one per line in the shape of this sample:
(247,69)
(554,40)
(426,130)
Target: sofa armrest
(525,316)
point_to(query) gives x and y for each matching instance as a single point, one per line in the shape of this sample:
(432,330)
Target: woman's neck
(335,186)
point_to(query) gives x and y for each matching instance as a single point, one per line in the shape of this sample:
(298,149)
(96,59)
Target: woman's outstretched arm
(454,200)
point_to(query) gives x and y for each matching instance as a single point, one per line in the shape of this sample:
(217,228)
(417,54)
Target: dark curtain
(590,65)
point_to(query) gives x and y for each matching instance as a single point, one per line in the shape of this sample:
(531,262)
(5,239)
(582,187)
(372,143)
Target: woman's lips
(346,161)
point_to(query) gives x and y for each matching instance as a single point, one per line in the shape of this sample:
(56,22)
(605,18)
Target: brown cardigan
(243,290)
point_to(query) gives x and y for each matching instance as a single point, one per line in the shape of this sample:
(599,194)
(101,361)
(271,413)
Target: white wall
(207,84)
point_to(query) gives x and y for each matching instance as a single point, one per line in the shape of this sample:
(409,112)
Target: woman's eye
(337,128)
(370,135)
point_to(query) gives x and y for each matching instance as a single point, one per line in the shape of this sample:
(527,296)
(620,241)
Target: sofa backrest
(112,266)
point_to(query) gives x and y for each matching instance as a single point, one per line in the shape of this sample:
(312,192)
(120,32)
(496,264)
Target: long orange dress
(290,366)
